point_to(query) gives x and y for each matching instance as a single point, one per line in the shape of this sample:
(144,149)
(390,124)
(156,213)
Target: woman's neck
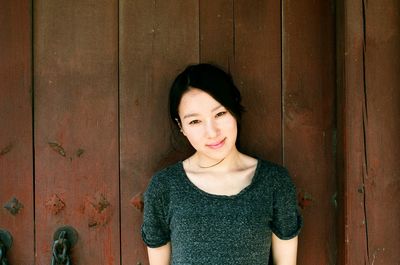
(232,162)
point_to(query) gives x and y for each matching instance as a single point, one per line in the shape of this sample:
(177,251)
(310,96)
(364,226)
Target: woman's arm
(284,252)
(160,255)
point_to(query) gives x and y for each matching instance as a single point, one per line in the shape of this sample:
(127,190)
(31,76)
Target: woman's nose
(211,129)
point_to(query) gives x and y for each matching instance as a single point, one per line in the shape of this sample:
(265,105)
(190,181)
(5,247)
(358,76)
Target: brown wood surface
(102,70)
(217,32)
(340,112)
(382,128)
(157,40)
(76,128)
(352,248)
(16,160)
(308,122)
(257,72)
(370,98)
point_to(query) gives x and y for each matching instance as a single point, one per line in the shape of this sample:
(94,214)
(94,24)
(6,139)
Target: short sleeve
(286,221)
(155,228)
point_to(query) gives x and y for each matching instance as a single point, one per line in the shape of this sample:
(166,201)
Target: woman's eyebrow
(217,107)
(190,115)
(196,114)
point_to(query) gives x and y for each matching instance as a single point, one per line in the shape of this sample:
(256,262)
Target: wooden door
(84,117)
(16,137)
(369,126)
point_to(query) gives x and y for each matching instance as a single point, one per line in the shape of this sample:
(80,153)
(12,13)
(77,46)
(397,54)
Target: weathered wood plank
(16,152)
(257,72)
(76,127)
(308,90)
(340,124)
(352,151)
(381,123)
(157,40)
(217,32)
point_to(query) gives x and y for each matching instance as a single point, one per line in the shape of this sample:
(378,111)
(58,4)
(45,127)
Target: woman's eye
(219,114)
(193,122)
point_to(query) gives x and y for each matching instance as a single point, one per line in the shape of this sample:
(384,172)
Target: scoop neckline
(218,196)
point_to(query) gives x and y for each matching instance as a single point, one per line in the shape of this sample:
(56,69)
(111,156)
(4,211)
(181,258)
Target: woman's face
(210,127)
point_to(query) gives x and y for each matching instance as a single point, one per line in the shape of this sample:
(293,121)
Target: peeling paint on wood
(80,152)
(57,148)
(6,150)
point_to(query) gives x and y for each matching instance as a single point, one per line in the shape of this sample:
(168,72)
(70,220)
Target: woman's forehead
(197,101)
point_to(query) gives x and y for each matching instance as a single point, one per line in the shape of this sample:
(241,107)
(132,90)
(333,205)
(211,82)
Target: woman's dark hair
(212,80)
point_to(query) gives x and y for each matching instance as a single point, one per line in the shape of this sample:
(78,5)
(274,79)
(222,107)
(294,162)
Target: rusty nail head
(13,206)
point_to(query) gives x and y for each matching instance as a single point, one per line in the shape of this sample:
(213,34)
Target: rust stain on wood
(305,199)
(100,203)
(137,201)
(55,204)
(98,209)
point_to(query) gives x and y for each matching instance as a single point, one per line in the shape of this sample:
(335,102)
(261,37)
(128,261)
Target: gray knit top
(220,230)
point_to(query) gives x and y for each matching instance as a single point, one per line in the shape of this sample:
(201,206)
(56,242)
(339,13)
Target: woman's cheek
(193,134)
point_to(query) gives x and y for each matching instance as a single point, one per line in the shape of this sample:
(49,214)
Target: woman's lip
(216,145)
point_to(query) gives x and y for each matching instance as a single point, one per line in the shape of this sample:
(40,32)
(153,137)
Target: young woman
(219,206)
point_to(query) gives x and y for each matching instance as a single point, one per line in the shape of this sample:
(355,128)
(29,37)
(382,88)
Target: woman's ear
(180,126)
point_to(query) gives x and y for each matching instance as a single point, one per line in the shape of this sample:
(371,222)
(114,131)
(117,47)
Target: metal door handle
(5,244)
(64,239)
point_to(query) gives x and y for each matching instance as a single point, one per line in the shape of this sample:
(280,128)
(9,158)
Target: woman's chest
(202,212)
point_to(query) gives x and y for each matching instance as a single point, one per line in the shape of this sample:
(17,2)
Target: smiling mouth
(217,145)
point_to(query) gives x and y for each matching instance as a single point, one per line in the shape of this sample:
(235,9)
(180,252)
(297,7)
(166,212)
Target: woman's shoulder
(166,176)
(169,171)
(273,172)
(270,167)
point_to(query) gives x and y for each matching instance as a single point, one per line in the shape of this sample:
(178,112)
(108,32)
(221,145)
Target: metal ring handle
(5,245)
(64,238)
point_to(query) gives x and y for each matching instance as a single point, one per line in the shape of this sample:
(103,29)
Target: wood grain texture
(340,124)
(16,149)
(76,127)
(308,74)
(381,126)
(257,72)
(369,96)
(352,139)
(102,71)
(157,40)
(217,32)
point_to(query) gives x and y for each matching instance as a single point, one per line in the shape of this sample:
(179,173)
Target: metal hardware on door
(64,239)
(5,244)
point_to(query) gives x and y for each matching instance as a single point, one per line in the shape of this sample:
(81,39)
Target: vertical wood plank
(381,122)
(351,116)
(16,155)
(257,72)
(157,40)
(309,121)
(340,123)
(216,32)
(76,127)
